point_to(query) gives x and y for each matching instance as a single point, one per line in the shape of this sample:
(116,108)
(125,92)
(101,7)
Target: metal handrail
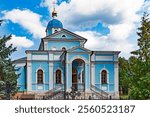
(56,89)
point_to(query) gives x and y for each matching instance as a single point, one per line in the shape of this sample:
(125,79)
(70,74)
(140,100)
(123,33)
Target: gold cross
(54,3)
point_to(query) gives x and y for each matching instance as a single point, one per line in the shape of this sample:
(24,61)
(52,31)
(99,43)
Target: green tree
(143,53)
(140,63)
(8,77)
(124,73)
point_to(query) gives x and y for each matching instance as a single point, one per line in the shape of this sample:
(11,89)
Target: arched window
(39,76)
(56,31)
(58,77)
(104,77)
(63,35)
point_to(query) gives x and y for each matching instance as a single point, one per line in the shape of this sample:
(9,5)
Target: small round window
(56,31)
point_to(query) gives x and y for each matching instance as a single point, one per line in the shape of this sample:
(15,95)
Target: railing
(78,86)
(100,92)
(55,93)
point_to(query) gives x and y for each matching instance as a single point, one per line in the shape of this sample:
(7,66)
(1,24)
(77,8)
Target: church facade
(62,64)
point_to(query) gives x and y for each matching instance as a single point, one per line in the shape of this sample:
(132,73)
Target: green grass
(124,97)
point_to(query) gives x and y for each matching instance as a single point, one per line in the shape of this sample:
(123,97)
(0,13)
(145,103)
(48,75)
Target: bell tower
(54,25)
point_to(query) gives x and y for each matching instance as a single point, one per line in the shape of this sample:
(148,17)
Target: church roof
(20,60)
(76,37)
(79,49)
(54,23)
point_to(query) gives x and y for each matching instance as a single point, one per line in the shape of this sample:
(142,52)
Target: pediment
(65,34)
(79,49)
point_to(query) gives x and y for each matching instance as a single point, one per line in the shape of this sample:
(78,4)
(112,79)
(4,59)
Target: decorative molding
(39,57)
(56,57)
(104,58)
(79,57)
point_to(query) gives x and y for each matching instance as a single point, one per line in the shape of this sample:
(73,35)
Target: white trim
(40,57)
(29,56)
(51,84)
(29,76)
(20,64)
(116,80)
(79,57)
(104,58)
(53,48)
(45,45)
(40,68)
(62,78)
(93,74)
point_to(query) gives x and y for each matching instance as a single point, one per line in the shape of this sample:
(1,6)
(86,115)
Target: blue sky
(107,24)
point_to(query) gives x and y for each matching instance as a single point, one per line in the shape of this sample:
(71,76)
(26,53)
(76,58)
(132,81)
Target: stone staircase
(57,93)
(98,93)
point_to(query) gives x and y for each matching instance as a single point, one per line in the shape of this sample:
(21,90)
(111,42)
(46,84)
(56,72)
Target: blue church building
(63,66)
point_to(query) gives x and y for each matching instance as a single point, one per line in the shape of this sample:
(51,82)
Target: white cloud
(18,41)
(98,42)
(88,13)
(28,20)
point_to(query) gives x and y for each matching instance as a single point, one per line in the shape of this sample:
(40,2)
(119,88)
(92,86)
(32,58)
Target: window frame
(60,80)
(107,76)
(41,81)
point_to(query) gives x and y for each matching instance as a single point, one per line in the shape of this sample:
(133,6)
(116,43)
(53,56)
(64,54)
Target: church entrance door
(74,79)
(78,74)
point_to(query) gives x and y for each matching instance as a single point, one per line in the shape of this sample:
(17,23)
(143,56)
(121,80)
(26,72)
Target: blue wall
(59,45)
(22,78)
(68,36)
(110,68)
(45,68)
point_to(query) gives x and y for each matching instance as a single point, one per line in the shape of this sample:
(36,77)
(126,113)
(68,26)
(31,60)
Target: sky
(109,25)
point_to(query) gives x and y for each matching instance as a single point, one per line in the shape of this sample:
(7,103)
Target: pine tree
(140,63)
(143,52)
(8,77)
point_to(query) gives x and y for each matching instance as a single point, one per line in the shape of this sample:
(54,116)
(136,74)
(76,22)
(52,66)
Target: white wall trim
(45,45)
(29,76)
(93,74)
(79,57)
(51,84)
(116,80)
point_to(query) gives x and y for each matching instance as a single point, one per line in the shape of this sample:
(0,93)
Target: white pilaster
(51,75)
(29,76)
(51,64)
(116,81)
(92,74)
(87,77)
(29,72)
(45,45)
